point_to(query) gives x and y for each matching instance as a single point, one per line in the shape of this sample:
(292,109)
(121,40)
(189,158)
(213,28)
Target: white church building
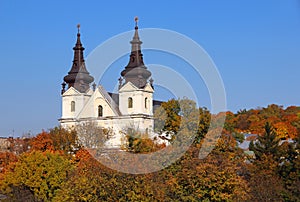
(130,107)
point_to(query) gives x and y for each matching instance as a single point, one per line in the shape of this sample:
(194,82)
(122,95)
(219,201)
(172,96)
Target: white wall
(80,101)
(86,108)
(138,96)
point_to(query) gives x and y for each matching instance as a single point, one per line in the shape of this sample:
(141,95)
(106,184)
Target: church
(131,107)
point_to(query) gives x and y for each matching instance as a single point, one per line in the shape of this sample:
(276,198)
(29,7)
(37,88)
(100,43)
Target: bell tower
(78,81)
(135,85)
(135,71)
(78,77)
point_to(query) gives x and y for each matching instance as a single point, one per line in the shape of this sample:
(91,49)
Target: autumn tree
(286,122)
(42,142)
(84,181)
(6,158)
(57,139)
(183,118)
(167,116)
(204,123)
(285,130)
(264,181)
(47,172)
(275,173)
(214,178)
(65,140)
(272,110)
(188,179)
(189,127)
(40,173)
(292,116)
(230,122)
(91,181)
(138,142)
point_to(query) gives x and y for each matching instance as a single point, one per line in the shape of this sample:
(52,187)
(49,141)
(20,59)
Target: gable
(148,88)
(128,87)
(98,97)
(104,94)
(71,91)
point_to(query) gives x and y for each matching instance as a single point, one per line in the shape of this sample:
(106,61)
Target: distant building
(4,144)
(131,107)
(247,139)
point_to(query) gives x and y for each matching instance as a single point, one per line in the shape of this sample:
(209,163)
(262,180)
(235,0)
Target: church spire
(78,49)
(78,77)
(135,71)
(136,43)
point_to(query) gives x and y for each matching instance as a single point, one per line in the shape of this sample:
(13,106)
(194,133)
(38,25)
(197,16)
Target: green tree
(238,136)
(289,169)
(266,144)
(184,119)
(167,116)
(230,122)
(204,123)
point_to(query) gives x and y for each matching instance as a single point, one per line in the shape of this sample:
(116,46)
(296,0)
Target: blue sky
(255,45)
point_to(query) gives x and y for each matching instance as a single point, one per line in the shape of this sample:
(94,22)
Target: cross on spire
(78,27)
(136,19)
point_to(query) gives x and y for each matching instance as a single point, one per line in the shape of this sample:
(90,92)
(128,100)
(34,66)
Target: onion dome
(78,77)
(136,72)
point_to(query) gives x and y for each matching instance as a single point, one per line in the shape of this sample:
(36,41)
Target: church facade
(130,107)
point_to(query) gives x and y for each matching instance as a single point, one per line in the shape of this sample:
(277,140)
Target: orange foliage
(257,127)
(82,154)
(42,142)
(285,130)
(286,122)
(6,158)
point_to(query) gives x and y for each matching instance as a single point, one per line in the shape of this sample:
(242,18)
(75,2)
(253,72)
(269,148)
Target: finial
(136,19)
(151,81)
(78,27)
(120,82)
(63,90)
(94,86)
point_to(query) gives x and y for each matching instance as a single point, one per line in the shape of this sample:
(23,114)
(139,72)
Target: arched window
(130,102)
(146,100)
(73,106)
(100,111)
